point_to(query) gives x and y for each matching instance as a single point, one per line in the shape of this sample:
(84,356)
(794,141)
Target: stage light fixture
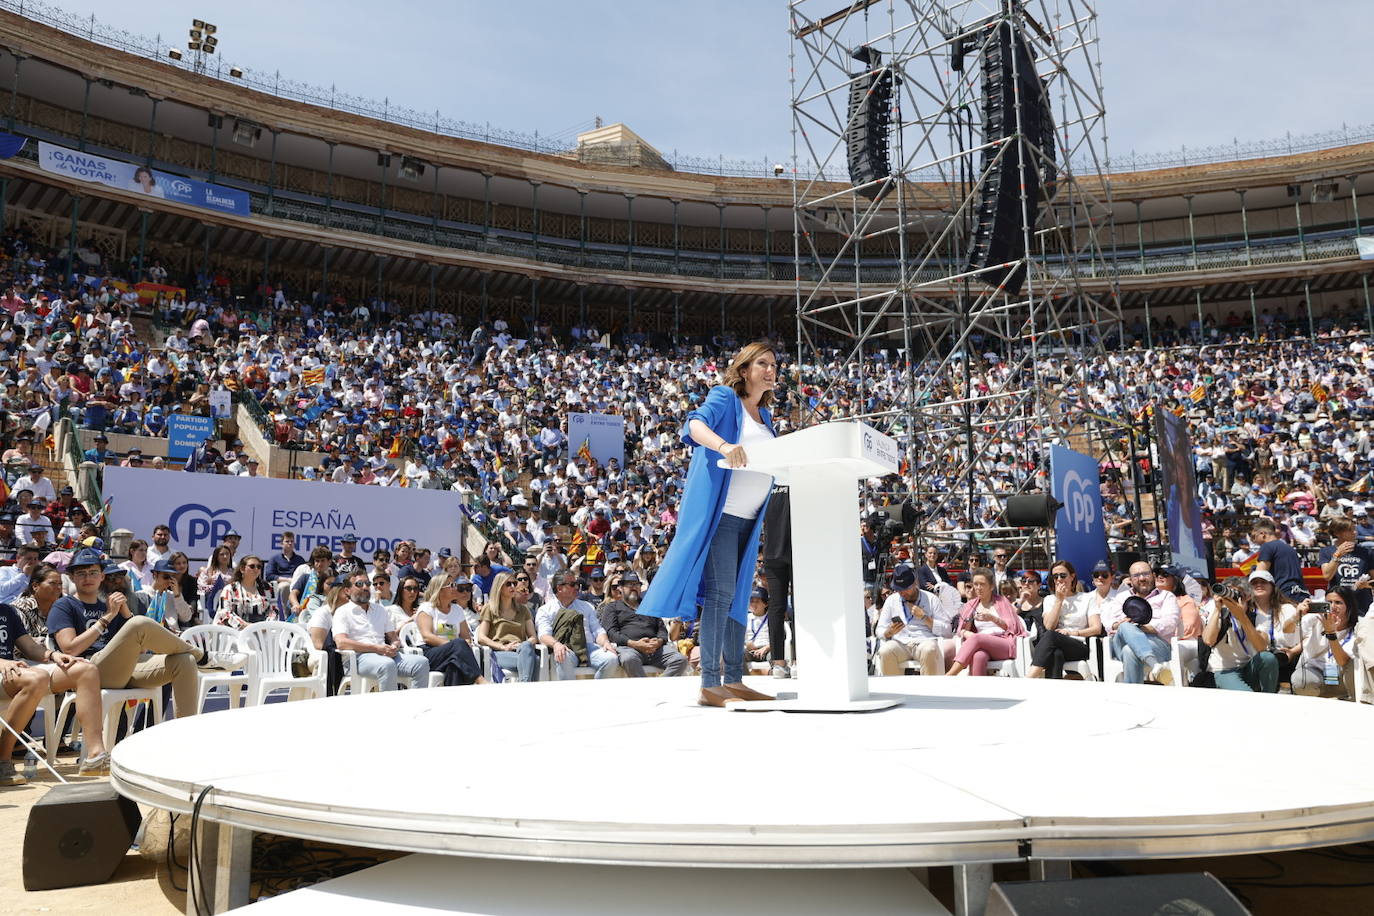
(236,73)
(246,133)
(208,50)
(778,170)
(411,169)
(210,41)
(193,45)
(197,23)
(174,54)
(211,28)
(197,34)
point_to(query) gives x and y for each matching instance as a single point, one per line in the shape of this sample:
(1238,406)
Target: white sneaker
(1161,674)
(781,672)
(229,661)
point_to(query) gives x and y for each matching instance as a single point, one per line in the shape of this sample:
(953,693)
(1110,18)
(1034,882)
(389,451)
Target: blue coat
(677,587)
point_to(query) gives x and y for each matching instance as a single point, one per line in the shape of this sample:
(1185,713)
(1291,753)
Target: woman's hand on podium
(734,455)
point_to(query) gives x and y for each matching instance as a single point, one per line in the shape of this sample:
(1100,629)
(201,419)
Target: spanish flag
(397,443)
(1247,566)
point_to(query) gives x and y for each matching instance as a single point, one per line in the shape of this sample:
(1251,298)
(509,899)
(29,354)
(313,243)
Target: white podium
(822,466)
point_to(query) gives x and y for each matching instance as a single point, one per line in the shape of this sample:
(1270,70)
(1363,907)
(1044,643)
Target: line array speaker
(868,123)
(1011,87)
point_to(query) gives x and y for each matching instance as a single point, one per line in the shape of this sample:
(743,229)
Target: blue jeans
(525,661)
(607,664)
(1138,651)
(384,669)
(722,637)
(1260,674)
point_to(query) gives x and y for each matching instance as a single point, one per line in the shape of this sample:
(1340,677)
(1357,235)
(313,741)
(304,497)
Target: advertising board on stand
(200,509)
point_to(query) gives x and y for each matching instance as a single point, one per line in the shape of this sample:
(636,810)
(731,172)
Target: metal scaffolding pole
(971,375)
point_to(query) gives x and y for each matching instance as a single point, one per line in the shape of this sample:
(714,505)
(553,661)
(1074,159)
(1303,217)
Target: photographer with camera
(1278,617)
(1238,660)
(1327,667)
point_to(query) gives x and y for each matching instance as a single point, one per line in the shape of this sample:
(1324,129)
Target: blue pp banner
(1079,528)
(114,173)
(185,433)
(602,433)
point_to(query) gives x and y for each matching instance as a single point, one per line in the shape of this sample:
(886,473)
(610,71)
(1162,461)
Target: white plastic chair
(214,638)
(115,703)
(413,643)
(47,710)
(270,645)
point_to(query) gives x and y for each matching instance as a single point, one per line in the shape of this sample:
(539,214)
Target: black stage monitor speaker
(1132,895)
(77,834)
(1032,510)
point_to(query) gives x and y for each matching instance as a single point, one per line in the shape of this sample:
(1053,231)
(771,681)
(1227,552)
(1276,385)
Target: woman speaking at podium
(716,545)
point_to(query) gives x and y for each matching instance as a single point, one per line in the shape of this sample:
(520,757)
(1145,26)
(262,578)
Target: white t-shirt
(748,489)
(362,624)
(756,631)
(322,618)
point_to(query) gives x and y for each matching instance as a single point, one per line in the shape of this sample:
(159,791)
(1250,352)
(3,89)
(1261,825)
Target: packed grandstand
(368,331)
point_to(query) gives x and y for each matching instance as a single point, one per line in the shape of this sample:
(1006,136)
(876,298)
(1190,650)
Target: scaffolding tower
(975,360)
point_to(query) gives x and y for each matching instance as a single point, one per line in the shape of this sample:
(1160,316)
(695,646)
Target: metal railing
(92,29)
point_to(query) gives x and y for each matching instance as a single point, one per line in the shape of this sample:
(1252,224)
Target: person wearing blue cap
(162,600)
(912,627)
(109,633)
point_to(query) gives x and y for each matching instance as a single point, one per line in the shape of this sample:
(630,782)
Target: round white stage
(965,770)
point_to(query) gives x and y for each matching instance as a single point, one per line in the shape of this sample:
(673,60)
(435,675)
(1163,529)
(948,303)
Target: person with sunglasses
(163,600)
(363,626)
(1067,624)
(245,600)
(407,601)
(506,628)
(444,629)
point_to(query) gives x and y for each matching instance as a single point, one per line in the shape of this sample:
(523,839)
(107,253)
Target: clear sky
(709,77)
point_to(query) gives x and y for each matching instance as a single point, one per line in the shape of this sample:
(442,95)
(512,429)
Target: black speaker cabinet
(1130,895)
(77,834)
(1031,510)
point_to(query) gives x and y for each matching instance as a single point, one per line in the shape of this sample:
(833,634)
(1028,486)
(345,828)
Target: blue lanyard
(758,628)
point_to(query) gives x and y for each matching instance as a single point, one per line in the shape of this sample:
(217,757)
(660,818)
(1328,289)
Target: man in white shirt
(601,652)
(363,626)
(37,484)
(911,627)
(1143,648)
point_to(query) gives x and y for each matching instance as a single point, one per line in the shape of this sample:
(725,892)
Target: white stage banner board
(202,508)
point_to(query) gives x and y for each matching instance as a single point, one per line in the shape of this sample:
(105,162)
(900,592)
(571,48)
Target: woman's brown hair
(734,373)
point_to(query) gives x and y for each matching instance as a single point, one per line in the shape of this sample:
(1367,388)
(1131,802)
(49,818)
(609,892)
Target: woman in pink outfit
(989,626)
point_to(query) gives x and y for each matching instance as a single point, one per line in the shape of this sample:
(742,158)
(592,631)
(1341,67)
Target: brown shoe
(740,692)
(719,697)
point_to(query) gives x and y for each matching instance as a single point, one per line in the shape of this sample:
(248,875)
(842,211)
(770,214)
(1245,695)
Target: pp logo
(180,186)
(202,524)
(868,442)
(1080,506)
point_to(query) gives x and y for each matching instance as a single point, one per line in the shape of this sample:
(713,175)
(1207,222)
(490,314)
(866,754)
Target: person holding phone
(1327,665)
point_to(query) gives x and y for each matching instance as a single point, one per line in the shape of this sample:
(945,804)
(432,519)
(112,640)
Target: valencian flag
(1198,393)
(1319,392)
(585,452)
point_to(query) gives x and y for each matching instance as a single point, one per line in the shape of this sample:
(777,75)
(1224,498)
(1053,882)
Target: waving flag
(313,376)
